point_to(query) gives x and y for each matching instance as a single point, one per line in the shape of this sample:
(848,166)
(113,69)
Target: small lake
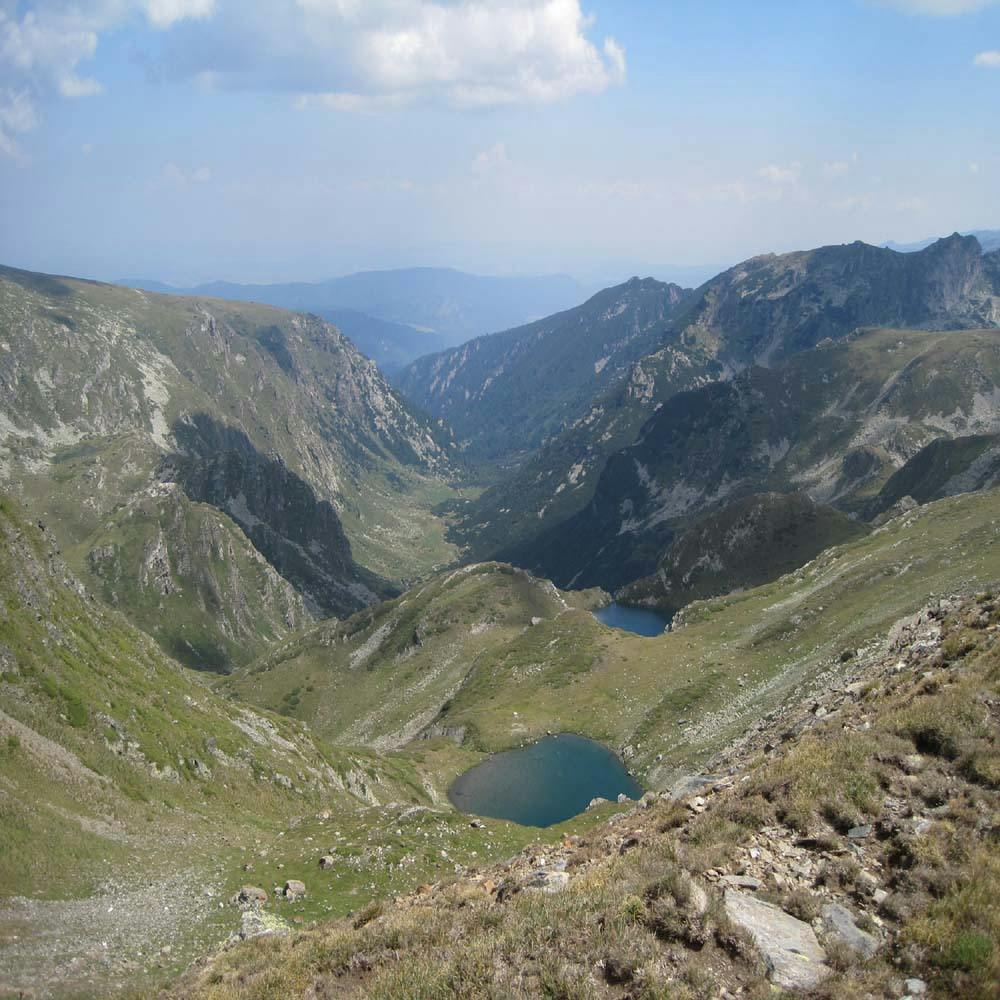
(545,783)
(641,621)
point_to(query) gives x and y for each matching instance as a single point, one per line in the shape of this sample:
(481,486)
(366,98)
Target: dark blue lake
(545,783)
(641,621)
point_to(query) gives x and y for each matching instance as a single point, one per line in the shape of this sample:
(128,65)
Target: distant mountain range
(505,393)
(600,502)
(989,239)
(421,309)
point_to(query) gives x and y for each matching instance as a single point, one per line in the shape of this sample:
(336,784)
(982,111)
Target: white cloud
(778,174)
(470,54)
(164,13)
(44,42)
(940,8)
(347,55)
(988,60)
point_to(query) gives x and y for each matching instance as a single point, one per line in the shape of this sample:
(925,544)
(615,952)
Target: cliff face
(272,418)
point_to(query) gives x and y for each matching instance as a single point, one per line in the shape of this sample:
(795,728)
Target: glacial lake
(641,621)
(545,783)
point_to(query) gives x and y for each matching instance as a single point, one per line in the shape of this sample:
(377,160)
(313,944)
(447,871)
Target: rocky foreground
(847,847)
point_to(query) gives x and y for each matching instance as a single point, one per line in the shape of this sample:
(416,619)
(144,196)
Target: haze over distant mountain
(989,239)
(443,305)
(506,392)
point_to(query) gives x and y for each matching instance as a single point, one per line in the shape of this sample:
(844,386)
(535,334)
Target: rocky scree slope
(833,423)
(846,849)
(115,402)
(761,312)
(505,393)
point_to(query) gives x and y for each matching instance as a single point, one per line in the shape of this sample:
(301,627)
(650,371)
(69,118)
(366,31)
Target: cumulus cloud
(988,60)
(347,55)
(43,43)
(472,53)
(940,8)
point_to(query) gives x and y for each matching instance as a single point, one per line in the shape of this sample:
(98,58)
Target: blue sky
(196,139)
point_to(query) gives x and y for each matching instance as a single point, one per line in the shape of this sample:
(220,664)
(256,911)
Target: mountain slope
(382,677)
(507,392)
(843,847)
(747,543)
(110,395)
(833,423)
(391,346)
(945,467)
(668,702)
(759,312)
(112,757)
(449,304)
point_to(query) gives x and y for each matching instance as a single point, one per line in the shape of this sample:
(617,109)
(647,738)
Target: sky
(273,140)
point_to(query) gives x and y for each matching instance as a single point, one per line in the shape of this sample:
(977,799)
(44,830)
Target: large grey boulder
(794,958)
(838,923)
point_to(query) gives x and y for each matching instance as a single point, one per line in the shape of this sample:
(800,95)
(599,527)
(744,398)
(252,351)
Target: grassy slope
(911,751)
(674,700)
(381,677)
(132,797)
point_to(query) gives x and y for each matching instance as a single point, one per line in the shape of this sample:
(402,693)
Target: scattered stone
(594,803)
(327,861)
(794,958)
(838,923)
(880,896)
(915,987)
(622,798)
(860,832)
(477,825)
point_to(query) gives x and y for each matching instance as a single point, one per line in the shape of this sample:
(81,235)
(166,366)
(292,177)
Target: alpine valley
(262,603)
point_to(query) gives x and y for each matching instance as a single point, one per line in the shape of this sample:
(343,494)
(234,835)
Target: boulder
(547,881)
(294,889)
(690,784)
(743,881)
(838,924)
(250,895)
(794,958)
(327,861)
(257,923)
